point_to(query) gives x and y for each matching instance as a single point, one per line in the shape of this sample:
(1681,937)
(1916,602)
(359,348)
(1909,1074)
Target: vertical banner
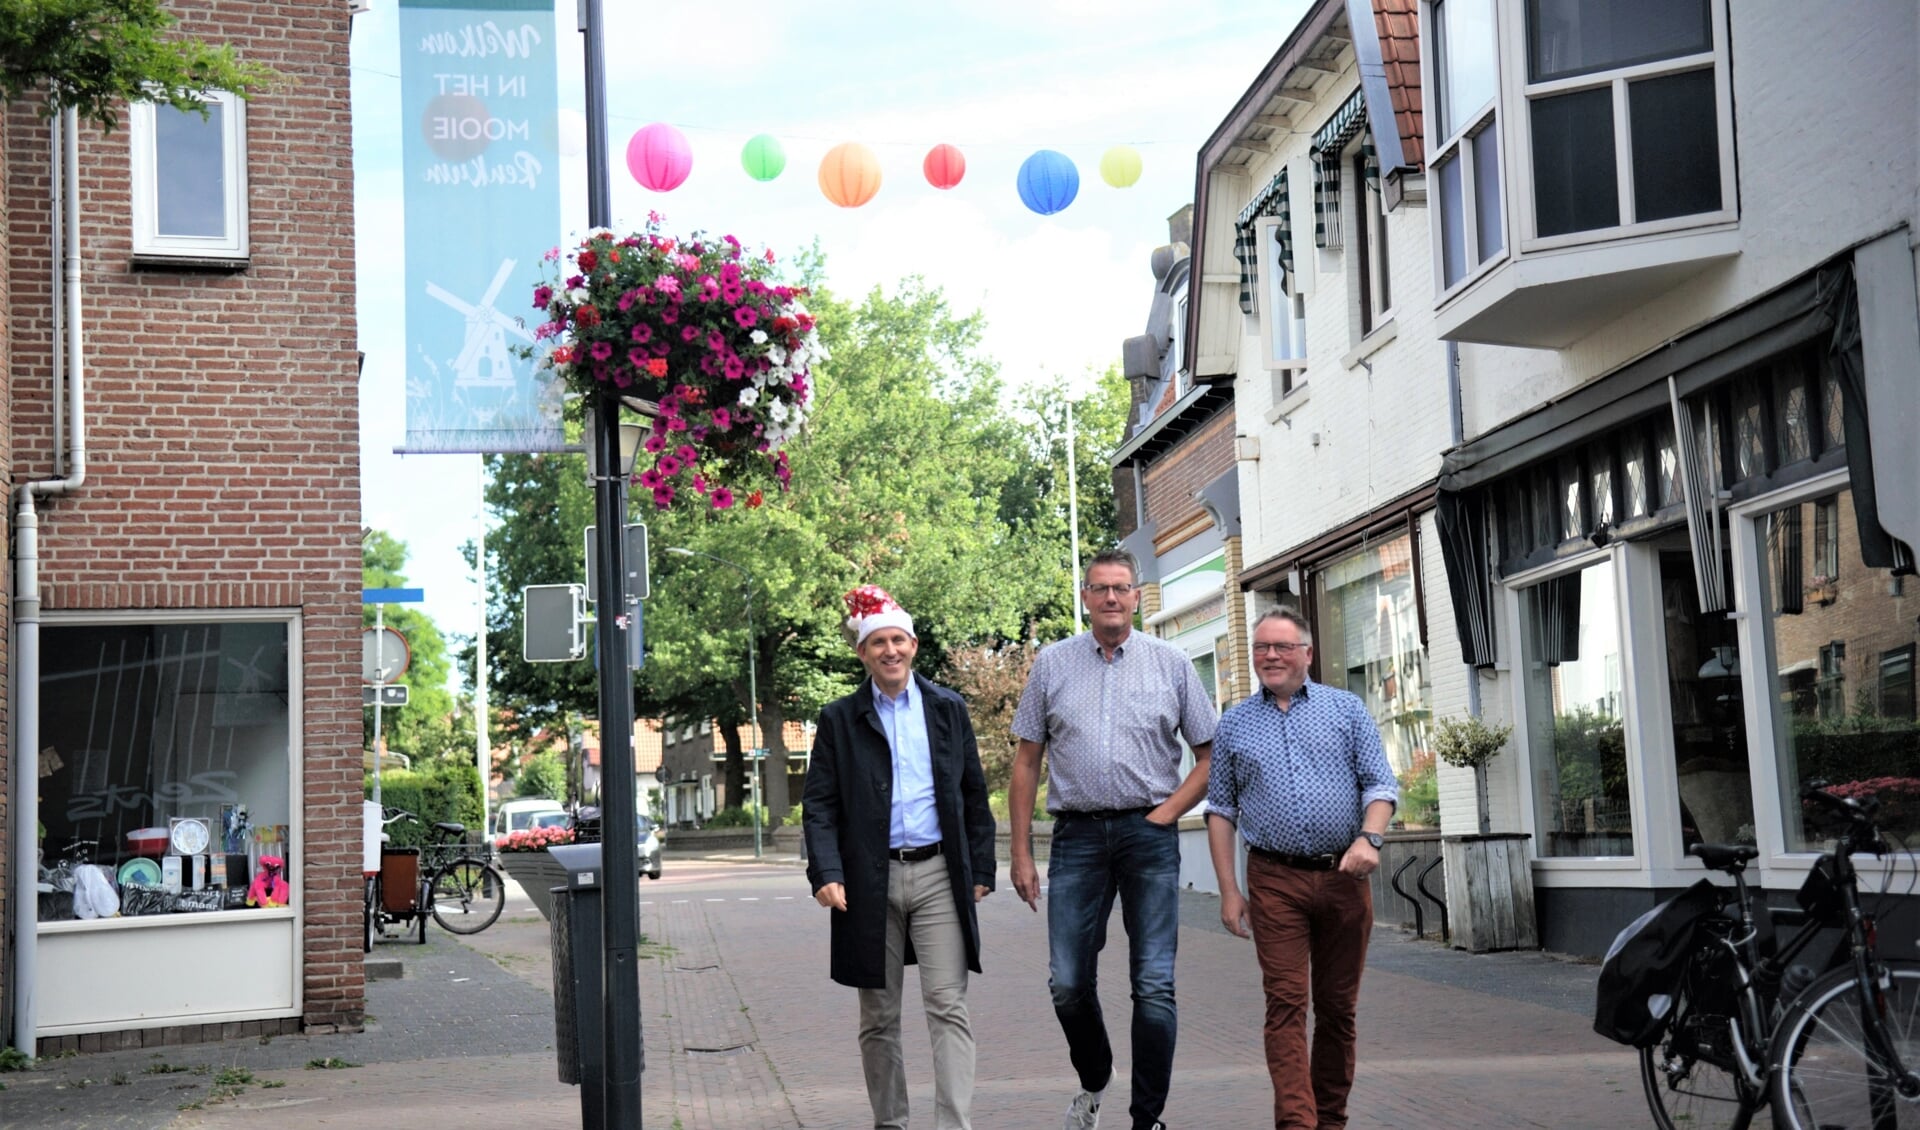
(479,102)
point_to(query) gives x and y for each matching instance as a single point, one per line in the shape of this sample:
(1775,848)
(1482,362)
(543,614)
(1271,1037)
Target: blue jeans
(1093,859)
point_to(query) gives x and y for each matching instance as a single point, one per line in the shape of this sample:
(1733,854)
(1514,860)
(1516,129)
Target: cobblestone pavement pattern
(743,1031)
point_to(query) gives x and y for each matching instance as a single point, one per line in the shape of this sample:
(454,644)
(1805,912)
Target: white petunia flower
(748,397)
(759,337)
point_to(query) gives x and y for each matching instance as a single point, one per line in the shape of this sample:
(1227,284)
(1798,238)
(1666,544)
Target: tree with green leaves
(92,55)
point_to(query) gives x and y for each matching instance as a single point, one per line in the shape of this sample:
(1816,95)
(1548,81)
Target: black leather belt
(1327,862)
(914,854)
(1104,813)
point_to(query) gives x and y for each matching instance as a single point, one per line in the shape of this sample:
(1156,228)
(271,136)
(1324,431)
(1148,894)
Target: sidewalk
(744,1030)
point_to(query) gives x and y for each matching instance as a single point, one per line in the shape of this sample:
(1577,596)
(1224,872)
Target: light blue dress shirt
(915,821)
(1298,781)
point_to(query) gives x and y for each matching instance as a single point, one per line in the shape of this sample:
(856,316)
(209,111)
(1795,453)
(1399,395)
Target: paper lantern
(1048,181)
(944,166)
(763,157)
(1120,166)
(849,174)
(659,158)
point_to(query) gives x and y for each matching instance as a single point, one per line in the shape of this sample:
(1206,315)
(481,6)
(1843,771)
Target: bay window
(1466,163)
(1628,115)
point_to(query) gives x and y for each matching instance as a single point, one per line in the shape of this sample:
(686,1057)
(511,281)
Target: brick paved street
(745,1032)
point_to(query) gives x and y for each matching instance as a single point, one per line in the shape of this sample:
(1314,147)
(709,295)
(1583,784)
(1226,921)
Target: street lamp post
(753,688)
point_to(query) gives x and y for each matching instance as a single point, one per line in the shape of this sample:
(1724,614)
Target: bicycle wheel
(366,912)
(1692,1078)
(467,896)
(1827,1071)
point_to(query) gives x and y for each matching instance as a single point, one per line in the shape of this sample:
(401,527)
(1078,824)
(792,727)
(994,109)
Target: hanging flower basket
(702,329)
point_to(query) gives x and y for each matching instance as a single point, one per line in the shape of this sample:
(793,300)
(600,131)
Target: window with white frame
(1629,116)
(1176,349)
(1283,314)
(1465,166)
(190,179)
(1373,268)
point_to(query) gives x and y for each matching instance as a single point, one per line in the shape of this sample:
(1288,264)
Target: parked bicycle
(1832,1044)
(445,880)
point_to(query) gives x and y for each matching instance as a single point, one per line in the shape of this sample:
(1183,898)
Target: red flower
(657,367)
(586,316)
(754,500)
(587,260)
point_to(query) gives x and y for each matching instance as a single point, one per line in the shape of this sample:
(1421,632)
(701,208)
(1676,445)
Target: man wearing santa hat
(900,847)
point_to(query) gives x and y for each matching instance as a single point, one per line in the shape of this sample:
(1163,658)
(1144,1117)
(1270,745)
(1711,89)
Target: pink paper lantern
(659,158)
(944,166)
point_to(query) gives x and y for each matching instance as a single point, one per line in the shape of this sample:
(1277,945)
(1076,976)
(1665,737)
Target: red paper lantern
(849,174)
(944,166)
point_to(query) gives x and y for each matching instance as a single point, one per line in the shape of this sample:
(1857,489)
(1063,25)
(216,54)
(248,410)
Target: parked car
(647,839)
(518,815)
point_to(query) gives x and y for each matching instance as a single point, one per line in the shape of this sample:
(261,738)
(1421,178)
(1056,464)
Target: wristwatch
(1373,838)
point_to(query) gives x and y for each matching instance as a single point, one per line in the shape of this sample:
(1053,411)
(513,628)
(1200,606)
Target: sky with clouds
(998,78)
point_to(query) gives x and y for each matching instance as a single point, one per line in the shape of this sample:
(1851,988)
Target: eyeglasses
(1276,648)
(1101,592)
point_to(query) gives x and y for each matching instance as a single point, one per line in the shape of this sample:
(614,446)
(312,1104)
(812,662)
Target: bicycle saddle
(451,829)
(1724,857)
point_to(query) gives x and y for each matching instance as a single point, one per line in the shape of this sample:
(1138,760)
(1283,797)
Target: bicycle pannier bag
(1643,966)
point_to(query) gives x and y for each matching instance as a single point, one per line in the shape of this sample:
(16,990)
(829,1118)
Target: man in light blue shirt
(900,846)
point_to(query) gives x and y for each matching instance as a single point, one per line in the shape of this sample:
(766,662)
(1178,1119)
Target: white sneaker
(1083,1113)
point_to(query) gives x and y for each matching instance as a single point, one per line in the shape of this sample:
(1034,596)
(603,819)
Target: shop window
(166,758)
(1575,732)
(1633,86)
(190,179)
(1841,672)
(1367,640)
(1709,714)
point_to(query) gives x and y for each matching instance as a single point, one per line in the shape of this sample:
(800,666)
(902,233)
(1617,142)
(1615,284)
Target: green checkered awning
(1269,201)
(1329,142)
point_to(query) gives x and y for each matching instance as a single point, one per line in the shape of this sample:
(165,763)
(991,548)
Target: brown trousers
(1310,929)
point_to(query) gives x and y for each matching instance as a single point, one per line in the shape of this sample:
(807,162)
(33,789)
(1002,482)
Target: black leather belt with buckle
(1327,862)
(914,854)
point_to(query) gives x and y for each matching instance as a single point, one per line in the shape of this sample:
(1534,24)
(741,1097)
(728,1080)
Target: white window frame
(1369,227)
(1458,146)
(1517,143)
(147,240)
(1290,371)
(1176,348)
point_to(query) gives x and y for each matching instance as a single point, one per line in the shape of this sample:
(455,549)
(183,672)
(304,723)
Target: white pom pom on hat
(869,609)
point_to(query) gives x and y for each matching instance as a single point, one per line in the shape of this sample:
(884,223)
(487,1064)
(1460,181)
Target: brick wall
(1172,480)
(222,416)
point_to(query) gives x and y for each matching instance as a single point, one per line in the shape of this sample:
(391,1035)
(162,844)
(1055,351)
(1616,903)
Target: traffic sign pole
(380,598)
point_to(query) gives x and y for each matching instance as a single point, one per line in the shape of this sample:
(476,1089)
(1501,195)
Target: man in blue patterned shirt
(1109,707)
(1299,769)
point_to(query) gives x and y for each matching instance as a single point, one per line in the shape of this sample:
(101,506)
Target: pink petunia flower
(642,333)
(745,316)
(655,444)
(601,351)
(650,479)
(722,498)
(663,497)
(669,466)
(689,333)
(686,454)
(722,419)
(542,295)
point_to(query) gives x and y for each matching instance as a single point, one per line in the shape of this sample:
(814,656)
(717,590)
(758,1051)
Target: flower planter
(1490,892)
(537,873)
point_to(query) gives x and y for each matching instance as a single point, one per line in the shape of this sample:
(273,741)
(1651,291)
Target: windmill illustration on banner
(485,363)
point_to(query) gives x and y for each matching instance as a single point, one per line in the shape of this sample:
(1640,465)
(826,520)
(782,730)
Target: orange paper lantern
(849,174)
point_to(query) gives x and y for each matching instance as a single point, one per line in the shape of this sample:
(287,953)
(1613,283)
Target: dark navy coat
(847,809)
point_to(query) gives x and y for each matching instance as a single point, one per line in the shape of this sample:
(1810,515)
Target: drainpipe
(26,601)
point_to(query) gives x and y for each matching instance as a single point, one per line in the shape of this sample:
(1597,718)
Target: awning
(1269,201)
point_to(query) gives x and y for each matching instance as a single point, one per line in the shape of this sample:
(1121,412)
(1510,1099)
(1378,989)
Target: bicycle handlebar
(1858,810)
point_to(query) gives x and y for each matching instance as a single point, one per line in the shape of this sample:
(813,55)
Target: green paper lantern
(1120,166)
(763,157)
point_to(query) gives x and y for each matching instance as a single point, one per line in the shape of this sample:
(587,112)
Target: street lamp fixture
(753,689)
(632,435)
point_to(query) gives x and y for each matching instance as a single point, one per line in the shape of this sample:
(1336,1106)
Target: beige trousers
(920,906)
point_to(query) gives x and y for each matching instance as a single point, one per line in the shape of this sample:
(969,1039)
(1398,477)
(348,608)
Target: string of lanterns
(660,159)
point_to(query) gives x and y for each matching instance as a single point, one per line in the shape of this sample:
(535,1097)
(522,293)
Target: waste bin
(579,1039)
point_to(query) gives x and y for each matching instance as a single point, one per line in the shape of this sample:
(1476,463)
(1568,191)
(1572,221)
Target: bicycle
(1749,1025)
(461,891)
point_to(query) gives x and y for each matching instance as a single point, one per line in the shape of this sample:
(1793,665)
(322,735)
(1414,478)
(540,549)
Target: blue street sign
(392,596)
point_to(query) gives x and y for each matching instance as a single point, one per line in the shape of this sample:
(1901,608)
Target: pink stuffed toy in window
(269,887)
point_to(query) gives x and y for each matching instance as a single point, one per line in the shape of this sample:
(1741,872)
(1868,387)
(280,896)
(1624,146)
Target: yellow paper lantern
(1120,166)
(849,174)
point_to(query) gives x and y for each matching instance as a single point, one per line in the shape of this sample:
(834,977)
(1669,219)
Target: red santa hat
(869,609)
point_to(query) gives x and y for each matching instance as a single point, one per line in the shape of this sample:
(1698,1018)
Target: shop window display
(164,764)
(1576,739)
(1841,638)
(1368,641)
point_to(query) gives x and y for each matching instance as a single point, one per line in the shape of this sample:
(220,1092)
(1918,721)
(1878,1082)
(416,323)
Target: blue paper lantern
(1048,181)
